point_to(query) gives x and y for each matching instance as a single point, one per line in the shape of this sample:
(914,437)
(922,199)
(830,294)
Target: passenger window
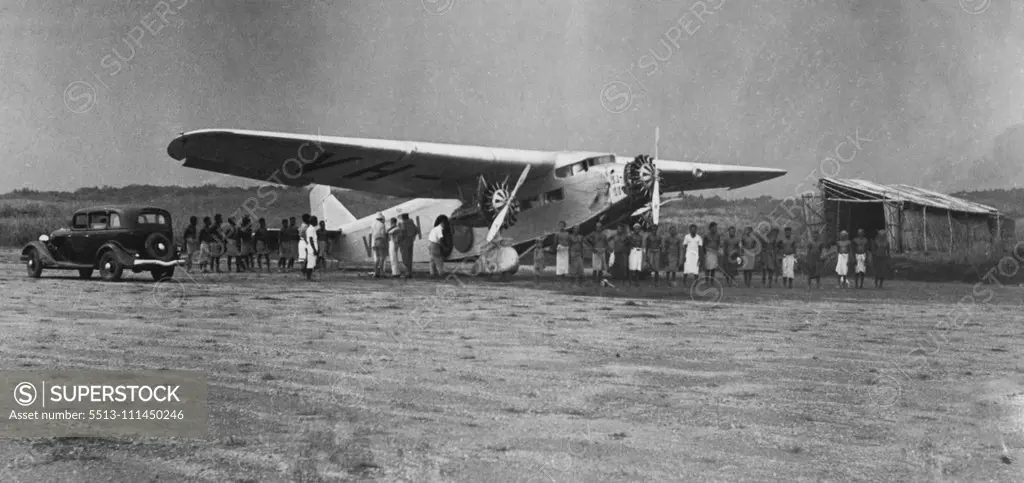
(556,195)
(80,221)
(152,219)
(115,220)
(98,220)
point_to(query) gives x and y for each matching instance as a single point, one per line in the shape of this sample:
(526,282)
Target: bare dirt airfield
(351,379)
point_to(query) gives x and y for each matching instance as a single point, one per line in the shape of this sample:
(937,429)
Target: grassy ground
(350,379)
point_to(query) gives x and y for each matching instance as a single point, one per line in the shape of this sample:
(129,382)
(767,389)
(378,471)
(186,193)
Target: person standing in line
(636,254)
(843,258)
(769,258)
(880,258)
(673,248)
(409,234)
(435,238)
(538,259)
(562,250)
(380,246)
(813,260)
(303,244)
(260,237)
(312,247)
(394,232)
(576,243)
(220,243)
(598,242)
(653,253)
(191,244)
(245,245)
(206,241)
(294,235)
(750,249)
(619,260)
(693,245)
(323,245)
(230,231)
(712,245)
(733,252)
(788,257)
(282,245)
(860,253)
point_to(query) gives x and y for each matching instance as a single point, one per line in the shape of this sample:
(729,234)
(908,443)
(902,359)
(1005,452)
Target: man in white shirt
(435,237)
(312,248)
(692,245)
(380,245)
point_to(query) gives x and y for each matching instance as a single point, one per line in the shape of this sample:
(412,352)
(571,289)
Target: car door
(78,240)
(71,243)
(92,238)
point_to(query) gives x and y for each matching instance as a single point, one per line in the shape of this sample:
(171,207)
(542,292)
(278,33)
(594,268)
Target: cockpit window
(583,166)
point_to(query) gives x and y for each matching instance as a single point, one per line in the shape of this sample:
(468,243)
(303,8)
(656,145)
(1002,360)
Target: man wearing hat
(380,245)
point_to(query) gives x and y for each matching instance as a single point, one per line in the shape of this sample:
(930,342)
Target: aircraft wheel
(34,264)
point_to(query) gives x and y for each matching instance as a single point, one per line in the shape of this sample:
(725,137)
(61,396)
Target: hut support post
(949,219)
(924,219)
(999,235)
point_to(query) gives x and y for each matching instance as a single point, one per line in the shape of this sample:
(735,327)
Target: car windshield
(152,219)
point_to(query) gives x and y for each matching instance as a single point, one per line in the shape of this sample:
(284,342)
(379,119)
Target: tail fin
(323,205)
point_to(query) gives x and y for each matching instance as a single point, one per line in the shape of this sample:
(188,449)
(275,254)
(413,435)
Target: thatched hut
(918,221)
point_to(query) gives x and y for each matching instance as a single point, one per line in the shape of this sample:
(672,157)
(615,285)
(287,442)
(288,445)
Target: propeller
(500,219)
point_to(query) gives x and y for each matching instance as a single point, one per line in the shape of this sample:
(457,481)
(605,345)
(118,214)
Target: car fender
(124,257)
(44,253)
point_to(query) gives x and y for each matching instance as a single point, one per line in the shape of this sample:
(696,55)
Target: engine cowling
(638,177)
(494,198)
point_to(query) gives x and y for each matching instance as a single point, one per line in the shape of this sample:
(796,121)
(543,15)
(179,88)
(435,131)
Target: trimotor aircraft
(489,217)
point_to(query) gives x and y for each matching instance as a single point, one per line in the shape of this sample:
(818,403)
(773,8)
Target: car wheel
(110,268)
(34,264)
(84,273)
(162,273)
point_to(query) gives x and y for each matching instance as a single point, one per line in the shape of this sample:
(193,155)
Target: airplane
(490,221)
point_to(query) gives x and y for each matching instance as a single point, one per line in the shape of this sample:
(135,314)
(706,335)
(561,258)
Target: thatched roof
(863,190)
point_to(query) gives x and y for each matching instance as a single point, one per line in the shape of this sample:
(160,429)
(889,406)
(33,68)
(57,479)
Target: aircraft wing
(395,168)
(686,176)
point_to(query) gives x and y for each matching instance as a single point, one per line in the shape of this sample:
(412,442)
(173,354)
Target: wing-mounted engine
(488,202)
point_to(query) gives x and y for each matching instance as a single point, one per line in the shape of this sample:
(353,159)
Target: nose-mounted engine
(638,178)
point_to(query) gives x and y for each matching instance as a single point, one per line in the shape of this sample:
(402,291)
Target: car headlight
(44,238)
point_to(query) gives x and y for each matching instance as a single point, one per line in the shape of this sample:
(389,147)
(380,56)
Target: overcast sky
(931,83)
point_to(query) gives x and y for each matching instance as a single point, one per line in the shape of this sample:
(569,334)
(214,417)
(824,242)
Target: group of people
(629,255)
(248,244)
(395,237)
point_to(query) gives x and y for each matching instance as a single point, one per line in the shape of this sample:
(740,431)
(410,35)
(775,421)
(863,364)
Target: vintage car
(111,239)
